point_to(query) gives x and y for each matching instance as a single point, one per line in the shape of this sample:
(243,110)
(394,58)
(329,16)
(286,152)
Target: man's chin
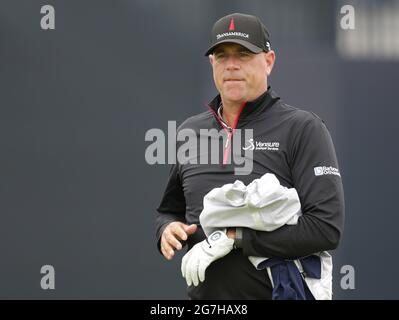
(235,96)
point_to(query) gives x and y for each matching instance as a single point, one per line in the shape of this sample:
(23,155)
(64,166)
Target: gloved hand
(200,256)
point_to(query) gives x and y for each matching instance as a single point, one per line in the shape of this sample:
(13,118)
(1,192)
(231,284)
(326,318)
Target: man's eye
(245,54)
(219,55)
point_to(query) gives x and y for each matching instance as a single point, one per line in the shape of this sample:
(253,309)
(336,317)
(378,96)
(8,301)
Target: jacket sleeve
(172,206)
(315,175)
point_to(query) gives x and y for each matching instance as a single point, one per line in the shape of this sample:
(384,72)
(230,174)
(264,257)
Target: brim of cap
(246,44)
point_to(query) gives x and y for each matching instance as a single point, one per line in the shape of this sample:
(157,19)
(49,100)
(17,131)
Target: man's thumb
(190,229)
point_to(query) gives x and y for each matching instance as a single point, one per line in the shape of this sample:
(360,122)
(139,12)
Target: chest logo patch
(258,145)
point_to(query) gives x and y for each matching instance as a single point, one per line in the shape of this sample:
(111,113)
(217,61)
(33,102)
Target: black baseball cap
(244,29)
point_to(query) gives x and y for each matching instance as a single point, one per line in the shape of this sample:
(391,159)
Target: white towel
(263,205)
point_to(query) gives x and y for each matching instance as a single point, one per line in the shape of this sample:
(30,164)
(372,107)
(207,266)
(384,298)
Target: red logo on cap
(231,28)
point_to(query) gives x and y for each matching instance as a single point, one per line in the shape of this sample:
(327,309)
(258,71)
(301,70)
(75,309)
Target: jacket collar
(253,109)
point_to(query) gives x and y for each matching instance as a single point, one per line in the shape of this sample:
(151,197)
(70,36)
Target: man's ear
(270,58)
(211,59)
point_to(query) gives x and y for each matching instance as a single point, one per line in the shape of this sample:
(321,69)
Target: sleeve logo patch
(321,171)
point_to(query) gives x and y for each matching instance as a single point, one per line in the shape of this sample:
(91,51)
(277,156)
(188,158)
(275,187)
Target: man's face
(239,74)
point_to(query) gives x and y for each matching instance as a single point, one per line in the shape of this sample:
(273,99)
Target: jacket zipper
(229,131)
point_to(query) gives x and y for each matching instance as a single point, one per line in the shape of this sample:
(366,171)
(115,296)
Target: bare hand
(174,233)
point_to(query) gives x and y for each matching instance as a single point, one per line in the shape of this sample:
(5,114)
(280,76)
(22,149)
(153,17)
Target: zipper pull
(227,140)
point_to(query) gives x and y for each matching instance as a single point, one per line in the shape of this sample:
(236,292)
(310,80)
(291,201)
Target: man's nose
(232,63)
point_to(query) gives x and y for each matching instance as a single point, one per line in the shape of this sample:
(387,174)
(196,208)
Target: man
(302,157)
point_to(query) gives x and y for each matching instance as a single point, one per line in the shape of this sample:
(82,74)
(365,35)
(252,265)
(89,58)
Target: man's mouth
(232,80)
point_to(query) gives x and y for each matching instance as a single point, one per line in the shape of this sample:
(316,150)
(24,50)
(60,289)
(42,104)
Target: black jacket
(304,159)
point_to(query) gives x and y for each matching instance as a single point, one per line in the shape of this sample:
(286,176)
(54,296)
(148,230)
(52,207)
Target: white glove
(200,256)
